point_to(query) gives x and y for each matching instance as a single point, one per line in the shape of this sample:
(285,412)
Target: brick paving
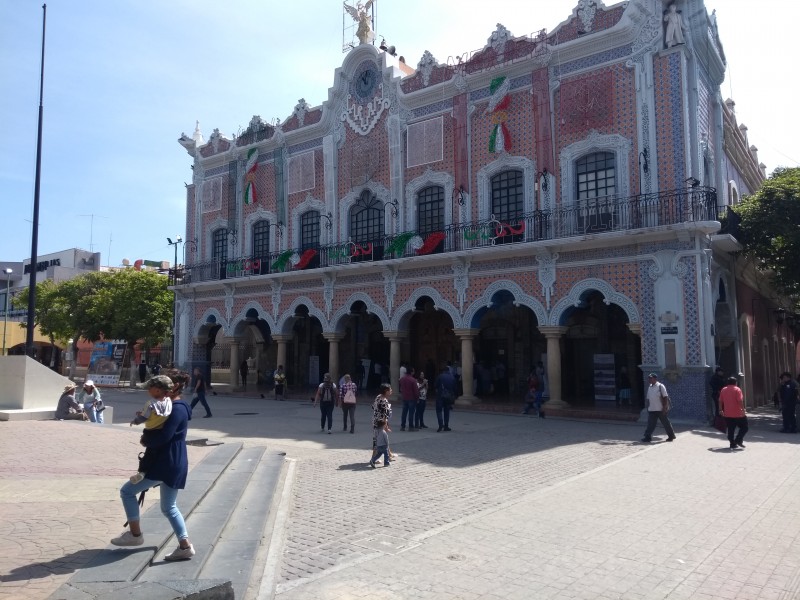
(501,507)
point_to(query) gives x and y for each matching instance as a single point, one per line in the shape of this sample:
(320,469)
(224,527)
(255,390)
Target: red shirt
(731,401)
(409,389)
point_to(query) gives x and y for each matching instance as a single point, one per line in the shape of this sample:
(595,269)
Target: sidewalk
(501,507)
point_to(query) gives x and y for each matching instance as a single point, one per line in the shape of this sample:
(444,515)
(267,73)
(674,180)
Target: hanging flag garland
(250,176)
(499,101)
(431,242)
(306,258)
(281,262)
(398,245)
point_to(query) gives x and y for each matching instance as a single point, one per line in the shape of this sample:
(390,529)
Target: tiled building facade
(553,198)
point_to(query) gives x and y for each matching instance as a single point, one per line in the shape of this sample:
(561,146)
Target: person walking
(787,393)
(445,386)
(244,370)
(381,444)
(169,469)
(89,398)
(279,379)
(731,406)
(658,406)
(381,411)
(422,385)
(348,395)
(199,387)
(326,397)
(409,392)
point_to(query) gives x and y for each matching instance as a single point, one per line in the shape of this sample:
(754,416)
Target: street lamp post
(177,241)
(5,311)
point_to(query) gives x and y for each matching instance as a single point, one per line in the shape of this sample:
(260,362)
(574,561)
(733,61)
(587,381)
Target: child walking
(381,444)
(155,413)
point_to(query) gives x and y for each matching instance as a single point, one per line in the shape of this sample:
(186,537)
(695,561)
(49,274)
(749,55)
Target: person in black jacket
(169,470)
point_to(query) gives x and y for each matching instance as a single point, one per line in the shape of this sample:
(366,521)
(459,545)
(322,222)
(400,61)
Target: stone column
(333,354)
(467,360)
(234,378)
(636,330)
(281,341)
(395,337)
(553,335)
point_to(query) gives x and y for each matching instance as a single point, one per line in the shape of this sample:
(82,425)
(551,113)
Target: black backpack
(327,393)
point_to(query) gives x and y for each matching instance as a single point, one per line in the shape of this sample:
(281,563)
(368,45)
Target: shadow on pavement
(64,565)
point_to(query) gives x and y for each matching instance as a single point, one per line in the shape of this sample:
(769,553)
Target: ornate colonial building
(554,197)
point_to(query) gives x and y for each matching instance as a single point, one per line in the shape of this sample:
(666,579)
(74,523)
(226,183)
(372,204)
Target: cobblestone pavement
(501,507)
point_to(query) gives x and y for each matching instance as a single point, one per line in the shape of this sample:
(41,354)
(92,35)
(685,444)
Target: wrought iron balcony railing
(584,217)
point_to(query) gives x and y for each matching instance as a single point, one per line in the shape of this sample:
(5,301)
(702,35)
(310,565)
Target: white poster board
(604,378)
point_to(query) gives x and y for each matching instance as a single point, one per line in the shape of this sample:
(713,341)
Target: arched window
(596,187)
(430,210)
(309,230)
(367,227)
(508,201)
(261,239)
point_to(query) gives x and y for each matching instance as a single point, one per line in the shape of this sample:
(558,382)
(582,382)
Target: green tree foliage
(769,230)
(127,305)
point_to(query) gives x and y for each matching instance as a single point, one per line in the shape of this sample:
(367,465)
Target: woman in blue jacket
(169,469)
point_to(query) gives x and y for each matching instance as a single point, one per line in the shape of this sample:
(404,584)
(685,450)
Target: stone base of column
(556,404)
(467,400)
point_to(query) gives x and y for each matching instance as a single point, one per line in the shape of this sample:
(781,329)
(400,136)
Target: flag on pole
(250,176)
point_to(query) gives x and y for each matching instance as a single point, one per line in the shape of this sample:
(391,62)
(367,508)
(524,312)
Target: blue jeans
(384,450)
(94,416)
(410,411)
(201,398)
(443,413)
(169,507)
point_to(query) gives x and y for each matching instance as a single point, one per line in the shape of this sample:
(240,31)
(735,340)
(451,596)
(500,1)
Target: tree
(769,230)
(52,311)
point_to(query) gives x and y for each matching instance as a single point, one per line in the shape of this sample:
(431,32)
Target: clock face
(366,80)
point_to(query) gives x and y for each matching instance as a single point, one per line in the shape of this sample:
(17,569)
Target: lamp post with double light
(5,311)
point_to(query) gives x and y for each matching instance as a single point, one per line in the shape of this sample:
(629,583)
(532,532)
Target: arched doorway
(307,352)
(431,341)
(362,347)
(508,346)
(600,354)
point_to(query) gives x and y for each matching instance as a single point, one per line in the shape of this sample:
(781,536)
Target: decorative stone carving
(390,286)
(229,297)
(498,40)
(328,281)
(610,296)
(300,111)
(426,65)
(673,33)
(461,280)
(214,139)
(547,273)
(363,117)
(277,287)
(586,11)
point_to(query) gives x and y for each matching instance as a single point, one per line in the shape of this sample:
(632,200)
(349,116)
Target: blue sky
(124,79)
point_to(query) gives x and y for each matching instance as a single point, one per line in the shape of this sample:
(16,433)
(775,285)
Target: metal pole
(5,312)
(37,186)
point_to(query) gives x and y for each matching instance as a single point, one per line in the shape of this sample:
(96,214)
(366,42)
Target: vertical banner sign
(604,378)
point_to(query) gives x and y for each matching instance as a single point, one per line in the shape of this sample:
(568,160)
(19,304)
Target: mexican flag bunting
(250,176)
(499,101)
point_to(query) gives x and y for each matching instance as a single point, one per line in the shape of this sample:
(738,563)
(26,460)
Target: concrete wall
(26,383)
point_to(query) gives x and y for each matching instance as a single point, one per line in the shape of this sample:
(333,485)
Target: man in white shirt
(657,408)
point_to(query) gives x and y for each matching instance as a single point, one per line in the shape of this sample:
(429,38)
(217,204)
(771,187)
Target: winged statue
(360,14)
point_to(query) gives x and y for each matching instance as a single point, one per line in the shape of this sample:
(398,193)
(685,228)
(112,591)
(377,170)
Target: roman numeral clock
(365,100)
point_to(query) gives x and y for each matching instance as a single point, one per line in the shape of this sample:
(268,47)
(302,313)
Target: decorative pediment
(498,40)
(426,65)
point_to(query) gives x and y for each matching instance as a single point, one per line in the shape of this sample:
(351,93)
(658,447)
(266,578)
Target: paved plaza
(504,506)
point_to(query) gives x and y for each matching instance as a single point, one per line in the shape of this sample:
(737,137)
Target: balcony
(585,217)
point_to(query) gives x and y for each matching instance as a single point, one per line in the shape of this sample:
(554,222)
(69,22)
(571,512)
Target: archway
(508,346)
(363,347)
(431,341)
(725,334)
(602,356)
(307,351)
(252,334)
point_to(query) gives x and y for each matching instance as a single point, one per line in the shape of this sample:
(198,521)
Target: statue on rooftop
(674,21)
(360,14)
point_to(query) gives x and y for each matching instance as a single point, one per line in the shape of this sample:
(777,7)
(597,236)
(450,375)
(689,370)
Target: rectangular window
(309,230)
(425,142)
(302,172)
